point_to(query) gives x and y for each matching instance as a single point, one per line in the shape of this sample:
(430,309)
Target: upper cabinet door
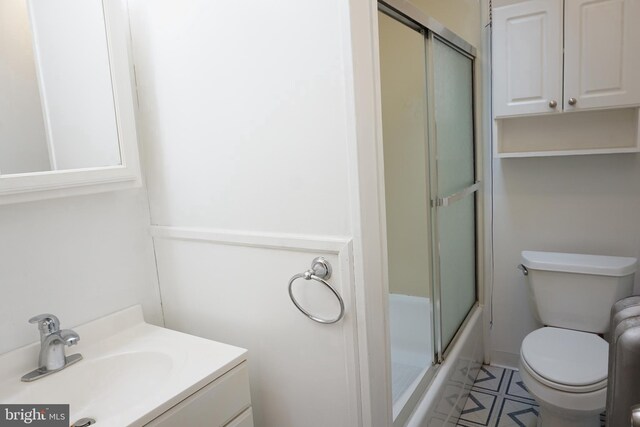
(602,53)
(527,58)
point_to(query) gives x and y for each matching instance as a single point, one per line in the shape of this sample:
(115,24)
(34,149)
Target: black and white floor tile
(499,398)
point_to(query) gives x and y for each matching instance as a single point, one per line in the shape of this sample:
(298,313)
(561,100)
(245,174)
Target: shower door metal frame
(438,202)
(414,18)
(431,29)
(432,369)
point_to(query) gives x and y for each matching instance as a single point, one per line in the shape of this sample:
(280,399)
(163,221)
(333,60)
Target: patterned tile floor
(498,398)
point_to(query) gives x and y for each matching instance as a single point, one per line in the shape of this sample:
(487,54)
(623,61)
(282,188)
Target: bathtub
(444,399)
(411,345)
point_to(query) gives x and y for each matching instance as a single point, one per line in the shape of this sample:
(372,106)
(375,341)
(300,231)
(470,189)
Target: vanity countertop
(131,371)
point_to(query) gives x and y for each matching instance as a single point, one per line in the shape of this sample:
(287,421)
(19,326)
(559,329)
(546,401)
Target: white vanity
(136,374)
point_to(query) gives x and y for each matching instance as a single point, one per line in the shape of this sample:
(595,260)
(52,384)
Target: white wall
(79,258)
(23,141)
(583,204)
(245,124)
(244,117)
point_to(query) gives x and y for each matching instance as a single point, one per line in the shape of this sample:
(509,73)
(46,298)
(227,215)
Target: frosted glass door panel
(456,228)
(453,149)
(453,79)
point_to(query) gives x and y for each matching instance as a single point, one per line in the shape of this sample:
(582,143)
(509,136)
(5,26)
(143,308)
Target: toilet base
(563,409)
(549,417)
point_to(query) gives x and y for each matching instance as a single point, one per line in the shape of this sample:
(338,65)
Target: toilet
(564,363)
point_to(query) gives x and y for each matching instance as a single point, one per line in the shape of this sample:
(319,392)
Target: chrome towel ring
(319,271)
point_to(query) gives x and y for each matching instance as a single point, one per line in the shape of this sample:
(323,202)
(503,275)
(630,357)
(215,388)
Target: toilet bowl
(566,372)
(564,364)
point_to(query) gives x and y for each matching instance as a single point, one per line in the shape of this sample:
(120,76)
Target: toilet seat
(565,359)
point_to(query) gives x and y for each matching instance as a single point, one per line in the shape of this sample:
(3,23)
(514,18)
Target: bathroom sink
(131,372)
(100,380)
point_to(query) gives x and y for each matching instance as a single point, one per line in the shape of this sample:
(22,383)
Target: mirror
(66,104)
(57,109)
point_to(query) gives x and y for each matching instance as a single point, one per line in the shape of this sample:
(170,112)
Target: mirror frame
(24,187)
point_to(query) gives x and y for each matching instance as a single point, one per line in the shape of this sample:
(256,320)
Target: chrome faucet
(52,343)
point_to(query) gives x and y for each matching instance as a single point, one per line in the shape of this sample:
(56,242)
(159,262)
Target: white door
(527,58)
(602,53)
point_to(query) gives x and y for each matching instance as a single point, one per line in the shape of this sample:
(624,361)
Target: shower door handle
(449,200)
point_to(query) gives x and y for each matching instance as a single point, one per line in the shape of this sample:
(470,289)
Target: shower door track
(415,18)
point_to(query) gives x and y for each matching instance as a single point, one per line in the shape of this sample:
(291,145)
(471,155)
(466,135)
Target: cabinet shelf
(584,132)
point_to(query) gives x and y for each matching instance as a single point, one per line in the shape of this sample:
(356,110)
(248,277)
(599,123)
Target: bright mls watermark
(34,415)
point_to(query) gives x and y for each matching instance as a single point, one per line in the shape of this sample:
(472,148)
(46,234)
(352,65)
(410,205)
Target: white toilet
(564,363)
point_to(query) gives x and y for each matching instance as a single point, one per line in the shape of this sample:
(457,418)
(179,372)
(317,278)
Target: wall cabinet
(602,53)
(554,57)
(527,58)
(599,68)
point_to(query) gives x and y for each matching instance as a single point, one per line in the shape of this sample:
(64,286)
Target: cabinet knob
(572,101)
(553,104)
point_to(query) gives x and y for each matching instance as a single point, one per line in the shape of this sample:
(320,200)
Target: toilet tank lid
(579,263)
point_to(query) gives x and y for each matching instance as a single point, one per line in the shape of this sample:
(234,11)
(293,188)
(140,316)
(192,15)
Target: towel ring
(319,271)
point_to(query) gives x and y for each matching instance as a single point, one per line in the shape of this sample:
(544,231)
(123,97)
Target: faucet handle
(47,324)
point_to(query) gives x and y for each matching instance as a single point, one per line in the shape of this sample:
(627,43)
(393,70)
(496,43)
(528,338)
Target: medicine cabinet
(67,116)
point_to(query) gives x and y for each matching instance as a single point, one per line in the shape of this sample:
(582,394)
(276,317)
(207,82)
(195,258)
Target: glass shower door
(404,122)
(429,190)
(454,184)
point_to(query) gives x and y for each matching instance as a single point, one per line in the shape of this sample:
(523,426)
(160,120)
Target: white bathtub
(447,393)
(411,345)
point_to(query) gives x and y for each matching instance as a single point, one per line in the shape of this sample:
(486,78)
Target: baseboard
(504,359)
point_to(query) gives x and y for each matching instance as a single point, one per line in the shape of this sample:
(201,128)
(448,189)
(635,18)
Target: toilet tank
(576,291)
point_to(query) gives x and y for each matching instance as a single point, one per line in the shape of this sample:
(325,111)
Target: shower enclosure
(430,193)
